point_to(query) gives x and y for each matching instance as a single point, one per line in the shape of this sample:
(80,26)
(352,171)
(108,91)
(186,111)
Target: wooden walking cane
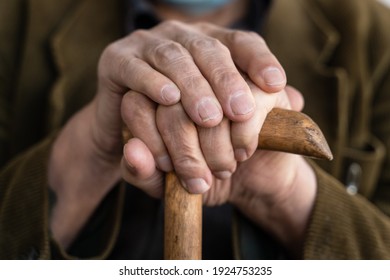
(283,130)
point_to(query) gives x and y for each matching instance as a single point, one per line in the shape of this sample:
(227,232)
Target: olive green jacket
(337,53)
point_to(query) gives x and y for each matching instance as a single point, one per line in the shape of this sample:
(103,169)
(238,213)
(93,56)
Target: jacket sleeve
(23,187)
(24,229)
(24,190)
(25,213)
(345,226)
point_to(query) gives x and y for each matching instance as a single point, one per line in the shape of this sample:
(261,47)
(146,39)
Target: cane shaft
(182,222)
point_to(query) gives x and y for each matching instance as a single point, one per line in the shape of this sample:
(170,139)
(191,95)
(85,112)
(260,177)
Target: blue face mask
(196,7)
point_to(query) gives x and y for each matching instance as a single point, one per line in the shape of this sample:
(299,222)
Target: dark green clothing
(337,53)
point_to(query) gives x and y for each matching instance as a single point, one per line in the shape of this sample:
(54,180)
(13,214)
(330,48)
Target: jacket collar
(88,27)
(304,40)
(91,24)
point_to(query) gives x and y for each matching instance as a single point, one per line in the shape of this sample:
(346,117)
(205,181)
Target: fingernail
(196,186)
(274,77)
(241,103)
(240,154)
(170,94)
(208,110)
(223,174)
(164,163)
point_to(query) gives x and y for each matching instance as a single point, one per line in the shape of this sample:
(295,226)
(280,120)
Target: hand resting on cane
(275,190)
(208,89)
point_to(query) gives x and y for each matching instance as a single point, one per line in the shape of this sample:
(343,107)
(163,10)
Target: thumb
(139,168)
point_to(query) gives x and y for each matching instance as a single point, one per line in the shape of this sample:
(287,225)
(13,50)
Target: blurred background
(387,2)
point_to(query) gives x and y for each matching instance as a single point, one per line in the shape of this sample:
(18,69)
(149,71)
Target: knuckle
(225,76)
(192,80)
(224,164)
(123,65)
(243,37)
(207,44)
(108,54)
(178,134)
(168,128)
(165,129)
(116,61)
(168,53)
(187,163)
(243,140)
(203,25)
(171,24)
(135,108)
(217,147)
(111,49)
(220,157)
(140,34)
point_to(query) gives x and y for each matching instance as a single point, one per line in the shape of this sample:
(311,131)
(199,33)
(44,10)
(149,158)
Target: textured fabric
(337,53)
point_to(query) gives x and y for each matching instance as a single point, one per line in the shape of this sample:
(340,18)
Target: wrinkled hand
(200,61)
(199,64)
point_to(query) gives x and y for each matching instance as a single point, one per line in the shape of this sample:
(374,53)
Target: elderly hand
(198,64)
(203,64)
(217,156)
